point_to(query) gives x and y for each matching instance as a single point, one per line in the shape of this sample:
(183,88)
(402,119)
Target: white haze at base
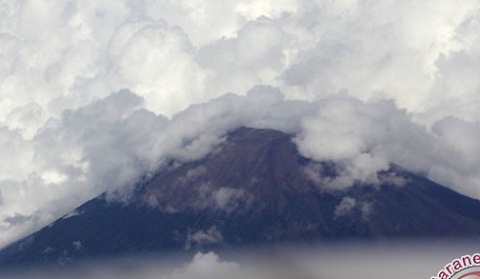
(348,260)
(362,83)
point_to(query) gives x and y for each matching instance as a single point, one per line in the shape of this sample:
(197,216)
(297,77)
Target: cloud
(362,137)
(207,266)
(228,198)
(114,142)
(203,238)
(95,96)
(335,261)
(345,207)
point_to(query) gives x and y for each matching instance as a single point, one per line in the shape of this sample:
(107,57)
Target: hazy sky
(396,260)
(95,94)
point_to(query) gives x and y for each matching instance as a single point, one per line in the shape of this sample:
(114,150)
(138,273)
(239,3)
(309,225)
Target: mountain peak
(252,189)
(249,165)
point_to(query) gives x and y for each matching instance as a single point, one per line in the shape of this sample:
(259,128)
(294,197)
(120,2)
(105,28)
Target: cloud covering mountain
(97,96)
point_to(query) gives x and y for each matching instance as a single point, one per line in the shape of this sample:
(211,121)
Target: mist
(341,260)
(95,97)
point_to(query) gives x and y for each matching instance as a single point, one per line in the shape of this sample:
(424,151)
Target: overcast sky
(95,94)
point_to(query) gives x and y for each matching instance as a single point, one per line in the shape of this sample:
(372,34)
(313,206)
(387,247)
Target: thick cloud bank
(97,96)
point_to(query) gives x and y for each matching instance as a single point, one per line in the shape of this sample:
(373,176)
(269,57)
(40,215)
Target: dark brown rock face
(250,165)
(253,189)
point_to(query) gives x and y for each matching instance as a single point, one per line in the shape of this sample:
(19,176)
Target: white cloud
(336,261)
(203,237)
(228,198)
(345,207)
(206,266)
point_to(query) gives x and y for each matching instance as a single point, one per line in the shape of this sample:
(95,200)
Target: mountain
(254,189)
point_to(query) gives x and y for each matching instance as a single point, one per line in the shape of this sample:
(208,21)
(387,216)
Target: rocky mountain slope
(254,189)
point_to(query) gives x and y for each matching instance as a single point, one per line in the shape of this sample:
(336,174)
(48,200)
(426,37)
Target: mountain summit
(255,188)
